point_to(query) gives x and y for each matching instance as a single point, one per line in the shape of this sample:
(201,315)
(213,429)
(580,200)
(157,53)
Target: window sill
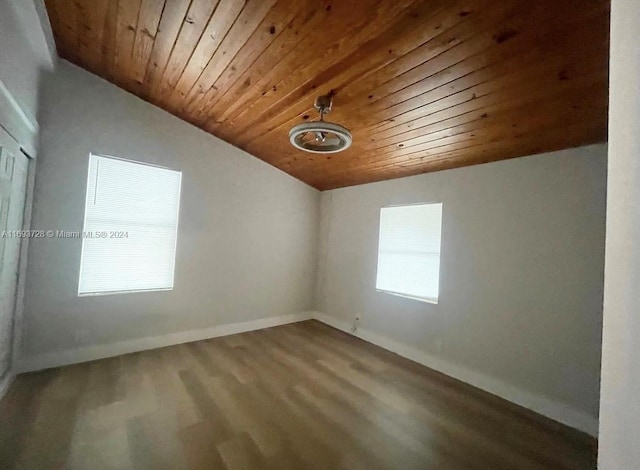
(406,296)
(120,292)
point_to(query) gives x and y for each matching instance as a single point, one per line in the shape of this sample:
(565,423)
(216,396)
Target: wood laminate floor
(300,396)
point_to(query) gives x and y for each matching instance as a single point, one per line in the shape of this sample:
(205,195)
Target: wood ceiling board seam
(331,77)
(195,23)
(425,124)
(468,146)
(460,63)
(240,73)
(356,81)
(262,84)
(260,65)
(269,103)
(490,129)
(126,25)
(437,99)
(233,42)
(539,50)
(109,42)
(501,83)
(305,111)
(478,104)
(584,138)
(482,112)
(92,20)
(588,80)
(67,16)
(551,77)
(411,66)
(425,105)
(403,96)
(261,91)
(533,147)
(171,23)
(398,157)
(150,14)
(219,25)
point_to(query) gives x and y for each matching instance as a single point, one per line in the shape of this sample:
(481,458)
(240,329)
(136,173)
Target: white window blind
(409,251)
(130,227)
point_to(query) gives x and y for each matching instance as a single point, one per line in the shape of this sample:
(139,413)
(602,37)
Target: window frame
(401,294)
(84,229)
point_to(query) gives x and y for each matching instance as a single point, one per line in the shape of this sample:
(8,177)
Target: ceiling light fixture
(321,136)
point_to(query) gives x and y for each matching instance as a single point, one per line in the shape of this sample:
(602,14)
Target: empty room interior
(319,234)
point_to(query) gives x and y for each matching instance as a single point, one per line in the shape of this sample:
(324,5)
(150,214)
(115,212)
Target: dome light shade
(321,136)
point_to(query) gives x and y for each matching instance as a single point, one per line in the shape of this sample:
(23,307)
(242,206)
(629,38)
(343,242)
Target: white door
(13,189)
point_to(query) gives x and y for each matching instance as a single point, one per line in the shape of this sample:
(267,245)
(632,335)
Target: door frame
(18,309)
(24,131)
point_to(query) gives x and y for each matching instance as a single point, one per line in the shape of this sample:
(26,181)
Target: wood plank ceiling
(423,85)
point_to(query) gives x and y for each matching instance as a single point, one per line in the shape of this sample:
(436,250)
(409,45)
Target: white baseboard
(102,351)
(6,382)
(541,405)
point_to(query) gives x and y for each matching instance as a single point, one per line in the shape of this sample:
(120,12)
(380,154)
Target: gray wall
(20,61)
(620,403)
(521,274)
(247,235)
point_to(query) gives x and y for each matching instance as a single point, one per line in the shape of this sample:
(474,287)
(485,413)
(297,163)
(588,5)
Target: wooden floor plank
(299,396)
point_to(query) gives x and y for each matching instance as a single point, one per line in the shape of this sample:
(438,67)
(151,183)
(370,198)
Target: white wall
(22,55)
(247,235)
(620,403)
(520,307)
(26,49)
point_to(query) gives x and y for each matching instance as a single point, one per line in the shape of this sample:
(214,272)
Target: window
(409,251)
(130,227)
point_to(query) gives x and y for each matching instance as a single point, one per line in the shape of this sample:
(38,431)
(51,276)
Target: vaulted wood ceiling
(423,85)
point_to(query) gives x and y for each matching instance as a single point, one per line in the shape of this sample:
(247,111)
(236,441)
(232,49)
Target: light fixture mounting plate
(323,104)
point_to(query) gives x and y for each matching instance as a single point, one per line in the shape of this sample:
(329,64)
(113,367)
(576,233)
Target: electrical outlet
(356,323)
